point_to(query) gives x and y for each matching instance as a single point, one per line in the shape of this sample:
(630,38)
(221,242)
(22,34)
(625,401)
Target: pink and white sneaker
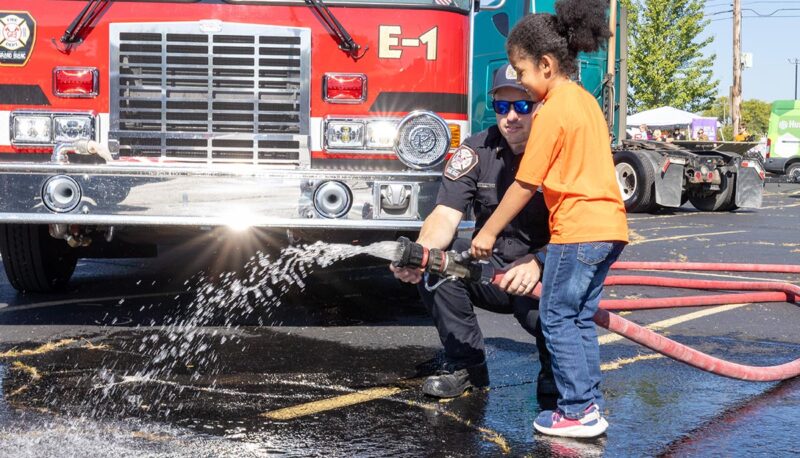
(554,423)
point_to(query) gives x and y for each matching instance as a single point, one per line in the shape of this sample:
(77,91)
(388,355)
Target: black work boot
(546,384)
(451,382)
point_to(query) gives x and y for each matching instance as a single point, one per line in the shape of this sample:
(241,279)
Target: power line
(756,13)
(772,13)
(719,12)
(757,17)
(718,4)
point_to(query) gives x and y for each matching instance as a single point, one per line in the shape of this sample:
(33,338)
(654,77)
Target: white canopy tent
(663,116)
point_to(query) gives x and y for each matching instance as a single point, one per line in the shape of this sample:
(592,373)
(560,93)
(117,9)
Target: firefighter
(476,177)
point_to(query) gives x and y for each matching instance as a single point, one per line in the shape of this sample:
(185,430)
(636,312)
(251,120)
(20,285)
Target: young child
(570,158)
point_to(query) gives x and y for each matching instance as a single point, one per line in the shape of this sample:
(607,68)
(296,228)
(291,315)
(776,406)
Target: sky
(771,40)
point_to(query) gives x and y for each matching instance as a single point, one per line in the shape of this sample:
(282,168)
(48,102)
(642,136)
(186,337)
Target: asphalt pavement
(140,358)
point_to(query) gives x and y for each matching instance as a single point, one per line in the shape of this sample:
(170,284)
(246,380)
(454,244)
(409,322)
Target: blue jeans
(572,284)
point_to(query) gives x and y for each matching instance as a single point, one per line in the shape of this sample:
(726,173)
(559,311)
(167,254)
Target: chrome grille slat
(182,94)
(192,66)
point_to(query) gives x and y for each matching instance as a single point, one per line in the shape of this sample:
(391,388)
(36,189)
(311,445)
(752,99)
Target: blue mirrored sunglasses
(522,107)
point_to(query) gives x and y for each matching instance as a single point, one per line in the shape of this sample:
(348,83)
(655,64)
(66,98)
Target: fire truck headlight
(344,135)
(32,129)
(423,139)
(381,134)
(70,128)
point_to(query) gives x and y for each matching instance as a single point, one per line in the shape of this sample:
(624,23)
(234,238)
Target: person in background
(701,135)
(743,135)
(477,176)
(657,135)
(678,135)
(643,134)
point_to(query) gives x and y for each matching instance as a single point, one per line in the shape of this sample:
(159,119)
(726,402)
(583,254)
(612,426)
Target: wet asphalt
(113,367)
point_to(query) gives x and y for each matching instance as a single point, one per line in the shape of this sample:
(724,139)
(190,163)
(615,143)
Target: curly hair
(578,25)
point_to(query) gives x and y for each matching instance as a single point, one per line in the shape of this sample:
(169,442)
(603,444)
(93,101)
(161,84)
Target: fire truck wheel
(34,261)
(722,200)
(636,180)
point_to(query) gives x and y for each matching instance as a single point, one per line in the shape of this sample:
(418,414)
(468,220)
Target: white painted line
(89,300)
(709,274)
(679,237)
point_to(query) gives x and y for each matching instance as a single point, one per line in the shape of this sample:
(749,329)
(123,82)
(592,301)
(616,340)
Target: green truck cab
(783,139)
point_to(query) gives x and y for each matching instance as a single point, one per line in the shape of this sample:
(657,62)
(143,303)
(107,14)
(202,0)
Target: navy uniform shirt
(478,174)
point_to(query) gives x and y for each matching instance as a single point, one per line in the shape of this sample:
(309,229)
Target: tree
(666,63)
(755,115)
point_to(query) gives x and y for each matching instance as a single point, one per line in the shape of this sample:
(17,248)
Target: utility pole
(795,62)
(736,90)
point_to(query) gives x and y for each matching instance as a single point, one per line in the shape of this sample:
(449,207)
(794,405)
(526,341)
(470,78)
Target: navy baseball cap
(505,76)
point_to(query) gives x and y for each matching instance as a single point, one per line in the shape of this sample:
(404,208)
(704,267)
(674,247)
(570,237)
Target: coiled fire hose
(449,264)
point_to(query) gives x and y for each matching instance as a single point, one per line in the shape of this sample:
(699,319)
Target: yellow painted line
(659,325)
(337,402)
(32,372)
(358,397)
(488,434)
(679,237)
(619,363)
(48,347)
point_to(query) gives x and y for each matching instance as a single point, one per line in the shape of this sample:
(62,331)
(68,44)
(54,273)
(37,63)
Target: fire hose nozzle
(412,255)
(443,263)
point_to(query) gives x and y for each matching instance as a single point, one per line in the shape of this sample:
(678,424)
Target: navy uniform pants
(452,307)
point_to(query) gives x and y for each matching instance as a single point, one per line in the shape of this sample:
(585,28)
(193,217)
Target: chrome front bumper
(127,195)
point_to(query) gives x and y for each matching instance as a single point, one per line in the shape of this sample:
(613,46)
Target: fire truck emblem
(17,35)
(463,160)
(422,138)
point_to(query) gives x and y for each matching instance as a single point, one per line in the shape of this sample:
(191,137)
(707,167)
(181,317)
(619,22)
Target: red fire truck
(128,124)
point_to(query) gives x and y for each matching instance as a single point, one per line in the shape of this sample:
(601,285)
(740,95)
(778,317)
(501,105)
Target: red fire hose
(760,292)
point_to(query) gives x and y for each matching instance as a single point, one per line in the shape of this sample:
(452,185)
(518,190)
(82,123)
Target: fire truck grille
(210,92)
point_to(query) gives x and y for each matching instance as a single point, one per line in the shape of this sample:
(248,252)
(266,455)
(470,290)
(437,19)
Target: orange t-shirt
(569,155)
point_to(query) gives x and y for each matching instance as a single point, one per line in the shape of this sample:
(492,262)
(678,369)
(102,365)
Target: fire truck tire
(34,261)
(722,200)
(636,180)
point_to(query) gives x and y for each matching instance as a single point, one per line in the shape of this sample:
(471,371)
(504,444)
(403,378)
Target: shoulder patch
(462,161)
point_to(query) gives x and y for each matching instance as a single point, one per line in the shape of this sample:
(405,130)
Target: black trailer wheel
(34,261)
(715,201)
(636,180)
(793,172)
